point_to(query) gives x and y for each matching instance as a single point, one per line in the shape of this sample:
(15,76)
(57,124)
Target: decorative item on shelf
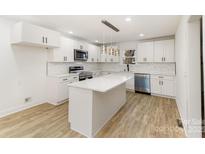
(129,58)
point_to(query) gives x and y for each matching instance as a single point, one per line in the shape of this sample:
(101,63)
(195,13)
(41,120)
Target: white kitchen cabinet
(109,54)
(103,58)
(163,85)
(168,87)
(65,53)
(27,34)
(145,52)
(156,86)
(82,45)
(130,84)
(98,54)
(164,51)
(169,51)
(57,88)
(93,53)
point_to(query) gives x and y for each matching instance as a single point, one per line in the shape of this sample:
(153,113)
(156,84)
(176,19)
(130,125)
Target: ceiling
(89,27)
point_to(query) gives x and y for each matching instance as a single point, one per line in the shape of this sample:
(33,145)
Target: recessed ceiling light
(70,32)
(128,19)
(96,41)
(141,34)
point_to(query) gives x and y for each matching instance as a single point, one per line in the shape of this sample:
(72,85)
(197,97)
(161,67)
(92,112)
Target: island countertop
(103,83)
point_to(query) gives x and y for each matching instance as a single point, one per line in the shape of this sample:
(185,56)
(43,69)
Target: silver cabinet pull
(144,59)
(164,59)
(64,58)
(46,40)
(43,39)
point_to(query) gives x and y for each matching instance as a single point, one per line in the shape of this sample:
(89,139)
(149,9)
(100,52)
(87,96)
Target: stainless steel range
(83,75)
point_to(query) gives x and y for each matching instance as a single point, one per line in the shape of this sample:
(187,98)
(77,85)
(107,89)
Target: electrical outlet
(28,99)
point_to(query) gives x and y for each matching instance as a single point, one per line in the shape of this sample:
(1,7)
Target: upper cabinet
(82,45)
(110,54)
(145,52)
(65,53)
(156,51)
(28,34)
(93,53)
(164,51)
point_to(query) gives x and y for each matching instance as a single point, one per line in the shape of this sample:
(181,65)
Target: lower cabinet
(163,85)
(57,88)
(130,84)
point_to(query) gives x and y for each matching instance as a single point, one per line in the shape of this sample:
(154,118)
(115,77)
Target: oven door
(80,55)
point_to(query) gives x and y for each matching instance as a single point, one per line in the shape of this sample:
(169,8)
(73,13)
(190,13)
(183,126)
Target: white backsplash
(62,68)
(112,67)
(152,68)
(165,69)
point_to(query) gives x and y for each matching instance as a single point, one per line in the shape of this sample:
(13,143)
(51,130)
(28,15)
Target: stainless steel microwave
(80,55)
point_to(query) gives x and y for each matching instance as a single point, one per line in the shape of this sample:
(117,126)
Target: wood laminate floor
(141,116)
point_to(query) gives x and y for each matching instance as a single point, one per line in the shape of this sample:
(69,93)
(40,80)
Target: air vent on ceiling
(110,25)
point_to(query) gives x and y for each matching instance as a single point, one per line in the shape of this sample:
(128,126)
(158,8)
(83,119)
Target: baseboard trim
(18,109)
(165,96)
(184,126)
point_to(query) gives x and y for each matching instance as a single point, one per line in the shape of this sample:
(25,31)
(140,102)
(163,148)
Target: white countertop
(103,83)
(63,75)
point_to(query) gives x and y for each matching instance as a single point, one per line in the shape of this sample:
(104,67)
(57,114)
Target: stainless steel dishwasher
(142,83)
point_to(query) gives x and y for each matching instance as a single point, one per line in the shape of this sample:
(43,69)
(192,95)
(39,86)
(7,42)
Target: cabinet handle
(43,39)
(162,82)
(65,58)
(144,59)
(46,40)
(164,59)
(159,83)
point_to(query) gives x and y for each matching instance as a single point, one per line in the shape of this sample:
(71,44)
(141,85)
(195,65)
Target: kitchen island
(93,102)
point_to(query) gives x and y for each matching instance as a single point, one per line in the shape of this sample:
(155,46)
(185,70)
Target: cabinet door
(52,38)
(103,58)
(156,87)
(98,53)
(68,49)
(92,53)
(82,45)
(32,34)
(130,84)
(145,52)
(63,54)
(158,51)
(40,36)
(169,55)
(168,87)
(62,91)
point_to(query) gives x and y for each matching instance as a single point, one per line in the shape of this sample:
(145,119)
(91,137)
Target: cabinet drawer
(162,77)
(73,78)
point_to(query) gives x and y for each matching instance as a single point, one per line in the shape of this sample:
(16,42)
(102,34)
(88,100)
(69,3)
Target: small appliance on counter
(142,83)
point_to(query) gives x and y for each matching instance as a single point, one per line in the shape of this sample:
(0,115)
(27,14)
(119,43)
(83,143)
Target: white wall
(23,73)
(188,75)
